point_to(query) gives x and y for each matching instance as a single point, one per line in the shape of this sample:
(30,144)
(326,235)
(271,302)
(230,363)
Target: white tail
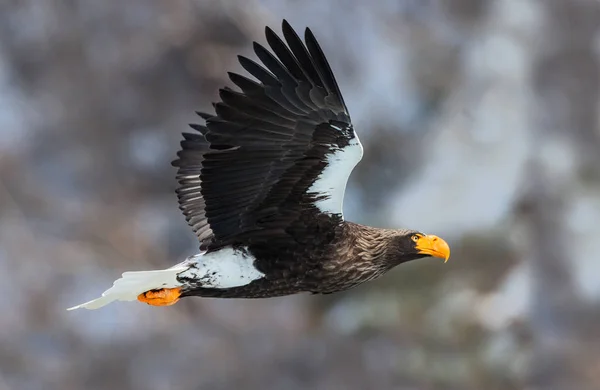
(132,284)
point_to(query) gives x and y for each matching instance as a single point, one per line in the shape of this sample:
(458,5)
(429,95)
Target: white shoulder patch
(331,183)
(225,268)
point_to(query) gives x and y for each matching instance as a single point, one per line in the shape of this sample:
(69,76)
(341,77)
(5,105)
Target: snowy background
(481,124)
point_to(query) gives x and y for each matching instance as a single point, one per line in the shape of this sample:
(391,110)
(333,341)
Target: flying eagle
(262,182)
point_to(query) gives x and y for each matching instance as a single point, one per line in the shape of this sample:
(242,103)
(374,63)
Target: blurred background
(480,122)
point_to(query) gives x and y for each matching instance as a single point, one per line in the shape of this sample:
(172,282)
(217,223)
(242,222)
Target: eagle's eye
(415,237)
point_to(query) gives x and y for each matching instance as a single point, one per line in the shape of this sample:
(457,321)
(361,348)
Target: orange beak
(433,246)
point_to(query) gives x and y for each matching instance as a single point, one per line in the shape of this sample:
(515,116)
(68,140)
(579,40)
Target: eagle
(261,184)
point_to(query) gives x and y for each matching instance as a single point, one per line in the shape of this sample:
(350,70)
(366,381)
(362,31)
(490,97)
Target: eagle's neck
(362,253)
(374,246)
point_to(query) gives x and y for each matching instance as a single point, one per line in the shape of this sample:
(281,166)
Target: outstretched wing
(273,151)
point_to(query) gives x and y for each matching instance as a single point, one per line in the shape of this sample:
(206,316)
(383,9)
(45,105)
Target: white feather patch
(332,181)
(132,284)
(225,268)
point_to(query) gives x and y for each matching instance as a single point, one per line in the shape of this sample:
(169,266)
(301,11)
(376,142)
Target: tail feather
(132,284)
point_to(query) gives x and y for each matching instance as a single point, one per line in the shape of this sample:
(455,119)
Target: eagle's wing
(273,150)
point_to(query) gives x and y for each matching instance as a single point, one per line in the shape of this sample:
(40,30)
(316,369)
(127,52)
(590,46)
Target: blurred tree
(94,95)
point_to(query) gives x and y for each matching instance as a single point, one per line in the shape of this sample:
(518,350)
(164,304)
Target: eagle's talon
(160,297)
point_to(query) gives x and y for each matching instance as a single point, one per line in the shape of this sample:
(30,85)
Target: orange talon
(162,297)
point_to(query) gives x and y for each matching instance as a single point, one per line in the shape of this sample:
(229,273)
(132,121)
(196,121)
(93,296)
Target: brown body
(337,257)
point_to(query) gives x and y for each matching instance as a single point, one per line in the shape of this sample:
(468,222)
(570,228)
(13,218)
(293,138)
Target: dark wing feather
(247,175)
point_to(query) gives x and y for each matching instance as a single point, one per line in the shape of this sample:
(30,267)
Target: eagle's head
(412,245)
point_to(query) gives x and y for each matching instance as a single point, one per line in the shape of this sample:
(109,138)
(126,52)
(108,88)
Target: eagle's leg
(160,297)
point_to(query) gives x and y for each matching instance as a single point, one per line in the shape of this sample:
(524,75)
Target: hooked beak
(431,245)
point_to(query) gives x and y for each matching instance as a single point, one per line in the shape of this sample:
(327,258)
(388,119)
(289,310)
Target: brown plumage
(326,262)
(262,184)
